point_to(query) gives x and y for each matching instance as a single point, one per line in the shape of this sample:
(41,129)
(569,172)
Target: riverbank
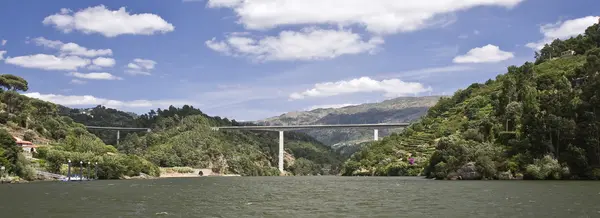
(184,172)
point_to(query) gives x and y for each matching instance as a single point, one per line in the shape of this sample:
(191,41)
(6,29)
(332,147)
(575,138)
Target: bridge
(281,129)
(119,129)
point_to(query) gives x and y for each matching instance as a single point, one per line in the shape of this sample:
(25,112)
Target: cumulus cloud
(563,30)
(41,41)
(89,100)
(104,62)
(71,48)
(3,42)
(329,106)
(95,76)
(48,62)
(78,81)
(390,88)
(308,44)
(378,16)
(140,67)
(2,53)
(101,20)
(75,49)
(486,54)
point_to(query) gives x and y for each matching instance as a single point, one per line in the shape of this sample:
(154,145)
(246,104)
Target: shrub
(177,170)
(29,135)
(473,134)
(545,168)
(3,117)
(12,125)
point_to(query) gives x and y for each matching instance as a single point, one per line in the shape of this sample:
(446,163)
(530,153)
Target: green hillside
(61,139)
(101,116)
(537,120)
(182,137)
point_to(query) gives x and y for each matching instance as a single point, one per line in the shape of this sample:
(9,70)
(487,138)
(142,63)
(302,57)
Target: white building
(27,146)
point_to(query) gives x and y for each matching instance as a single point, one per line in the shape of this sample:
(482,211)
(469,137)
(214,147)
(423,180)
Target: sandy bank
(166,173)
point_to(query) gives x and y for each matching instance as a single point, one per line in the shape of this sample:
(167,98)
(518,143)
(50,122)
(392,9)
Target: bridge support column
(118,136)
(280,163)
(376,134)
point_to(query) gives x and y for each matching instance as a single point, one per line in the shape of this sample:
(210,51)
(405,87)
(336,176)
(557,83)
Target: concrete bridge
(281,129)
(119,129)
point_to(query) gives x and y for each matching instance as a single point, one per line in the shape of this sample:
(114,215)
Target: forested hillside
(61,138)
(182,137)
(539,121)
(101,116)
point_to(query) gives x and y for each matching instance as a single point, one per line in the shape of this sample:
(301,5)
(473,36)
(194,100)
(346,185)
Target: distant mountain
(403,109)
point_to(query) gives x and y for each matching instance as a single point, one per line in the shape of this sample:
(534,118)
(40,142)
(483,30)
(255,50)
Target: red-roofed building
(28,147)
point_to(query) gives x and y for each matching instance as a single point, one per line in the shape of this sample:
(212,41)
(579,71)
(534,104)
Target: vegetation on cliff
(539,121)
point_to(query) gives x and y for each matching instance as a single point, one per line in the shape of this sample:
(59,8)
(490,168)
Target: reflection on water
(301,197)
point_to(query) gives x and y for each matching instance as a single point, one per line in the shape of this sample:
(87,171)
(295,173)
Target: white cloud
(102,20)
(78,82)
(145,64)
(329,106)
(71,48)
(41,41)
(3,43)
(89,100)
(486,54)
(49,62)
(140,67)
(218,46)
(390,88)
(563,30)
(308,44)
(75,49)
(2,53)
(378,16)
(95,76)
(104,62)
(425,72)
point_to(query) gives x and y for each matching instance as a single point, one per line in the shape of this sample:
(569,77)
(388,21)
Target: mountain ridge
(316,116)
(346,142)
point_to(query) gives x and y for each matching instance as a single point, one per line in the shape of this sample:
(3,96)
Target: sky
(253,59)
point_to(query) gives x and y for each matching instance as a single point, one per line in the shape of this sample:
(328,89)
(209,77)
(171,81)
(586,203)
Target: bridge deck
(116,128)
(331,126)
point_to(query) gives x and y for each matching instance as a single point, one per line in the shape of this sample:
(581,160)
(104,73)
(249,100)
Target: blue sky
(250,60)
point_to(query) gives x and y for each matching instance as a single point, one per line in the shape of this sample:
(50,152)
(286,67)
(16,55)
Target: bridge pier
(280,163)
(118,136)
(376,134)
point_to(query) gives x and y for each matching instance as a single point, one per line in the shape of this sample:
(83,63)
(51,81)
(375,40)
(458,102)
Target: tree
(14,83)
(9,151)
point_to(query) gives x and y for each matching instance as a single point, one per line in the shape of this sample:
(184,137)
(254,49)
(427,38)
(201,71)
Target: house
(27,146)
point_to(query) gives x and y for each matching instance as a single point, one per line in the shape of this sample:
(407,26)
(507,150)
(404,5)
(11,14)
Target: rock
(453,176)
(519,176)
(469,172)
(141,176)
(505,175)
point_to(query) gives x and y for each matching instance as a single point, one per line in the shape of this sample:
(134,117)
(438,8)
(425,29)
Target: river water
(301,197)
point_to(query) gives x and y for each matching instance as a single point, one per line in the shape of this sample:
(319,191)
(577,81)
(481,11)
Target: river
(301,197)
